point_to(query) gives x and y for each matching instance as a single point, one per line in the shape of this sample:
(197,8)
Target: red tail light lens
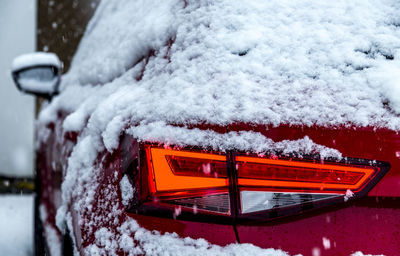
(288,173)
(197,167)
(253,171)
(240,186)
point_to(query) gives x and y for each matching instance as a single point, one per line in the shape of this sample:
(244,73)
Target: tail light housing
(226,187)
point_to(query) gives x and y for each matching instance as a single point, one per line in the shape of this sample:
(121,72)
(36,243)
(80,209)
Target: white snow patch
(127,191)
(177,211)
(52,239)
(326,243)
(349,194)
(316,251)
(35,59)
(16,222)
(50,233)
(244,141)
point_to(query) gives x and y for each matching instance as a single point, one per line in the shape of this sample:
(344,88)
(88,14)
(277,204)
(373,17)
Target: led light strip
(367,174)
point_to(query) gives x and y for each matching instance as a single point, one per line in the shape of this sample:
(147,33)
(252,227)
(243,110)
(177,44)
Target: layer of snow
(152,243)
(243,141)
(297,62)
(16,225)
(35,59)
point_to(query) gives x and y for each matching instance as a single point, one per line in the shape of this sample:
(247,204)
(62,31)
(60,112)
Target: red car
(182,123)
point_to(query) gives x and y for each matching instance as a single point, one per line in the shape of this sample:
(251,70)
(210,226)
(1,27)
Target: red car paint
(370,224)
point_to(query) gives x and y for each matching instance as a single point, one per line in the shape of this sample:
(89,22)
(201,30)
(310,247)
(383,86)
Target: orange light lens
(173,171)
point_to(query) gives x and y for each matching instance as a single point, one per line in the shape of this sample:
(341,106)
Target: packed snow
(144,67)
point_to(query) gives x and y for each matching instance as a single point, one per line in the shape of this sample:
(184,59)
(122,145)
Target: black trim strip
(233,189)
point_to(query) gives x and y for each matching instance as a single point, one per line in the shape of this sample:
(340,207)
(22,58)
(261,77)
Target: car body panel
(334,231)
(214,233)
(356,142)
(364,224)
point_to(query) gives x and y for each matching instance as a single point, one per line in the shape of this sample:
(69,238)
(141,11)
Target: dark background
(61,24)
(60,27)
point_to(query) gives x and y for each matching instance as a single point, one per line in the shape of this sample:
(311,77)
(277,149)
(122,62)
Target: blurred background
(17,36)
(27,26)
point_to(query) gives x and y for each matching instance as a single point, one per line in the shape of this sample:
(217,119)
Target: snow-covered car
(222,128)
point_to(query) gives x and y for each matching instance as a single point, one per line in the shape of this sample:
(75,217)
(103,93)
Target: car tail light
(253,171)
(240,187)
(175,170)
(189,179)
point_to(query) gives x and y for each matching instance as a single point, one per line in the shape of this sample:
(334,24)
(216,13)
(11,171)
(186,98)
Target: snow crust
(143,66)
(37,58)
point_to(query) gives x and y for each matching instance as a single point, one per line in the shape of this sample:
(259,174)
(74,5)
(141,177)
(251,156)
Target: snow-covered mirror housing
(37,73)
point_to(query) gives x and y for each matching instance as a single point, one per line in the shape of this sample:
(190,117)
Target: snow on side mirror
(37,73)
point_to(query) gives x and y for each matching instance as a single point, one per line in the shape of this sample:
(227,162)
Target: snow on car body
(232,121)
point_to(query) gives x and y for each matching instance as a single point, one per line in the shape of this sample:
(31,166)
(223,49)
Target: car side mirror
(37,73)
